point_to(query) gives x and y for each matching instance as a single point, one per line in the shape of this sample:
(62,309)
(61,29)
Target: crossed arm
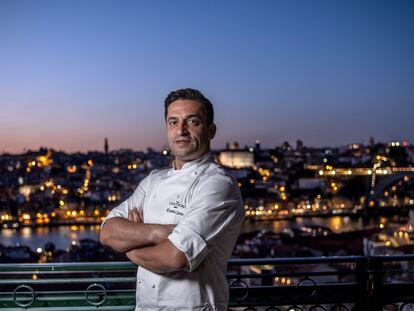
(146,245)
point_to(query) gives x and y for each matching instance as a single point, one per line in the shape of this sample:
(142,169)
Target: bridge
(388,176)
(387,181)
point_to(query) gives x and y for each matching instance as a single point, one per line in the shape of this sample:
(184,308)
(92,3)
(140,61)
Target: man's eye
(193,122)
(172,123)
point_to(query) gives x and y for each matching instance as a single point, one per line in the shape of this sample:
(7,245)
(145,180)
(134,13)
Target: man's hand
(161,232)
(124,234)
(161,258)
(136,215)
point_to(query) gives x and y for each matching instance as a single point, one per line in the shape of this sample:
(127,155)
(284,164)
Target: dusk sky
(326,72)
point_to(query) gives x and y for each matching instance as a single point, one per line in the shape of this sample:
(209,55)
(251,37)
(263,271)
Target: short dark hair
(191,94)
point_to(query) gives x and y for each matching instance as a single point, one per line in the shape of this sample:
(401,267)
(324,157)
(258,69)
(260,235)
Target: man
(181,224)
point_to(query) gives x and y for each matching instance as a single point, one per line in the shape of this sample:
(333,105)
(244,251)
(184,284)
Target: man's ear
(212,130)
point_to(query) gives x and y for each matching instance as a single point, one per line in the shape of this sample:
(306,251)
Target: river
(63,236)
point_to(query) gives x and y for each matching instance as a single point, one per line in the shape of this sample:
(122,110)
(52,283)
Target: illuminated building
(236,158)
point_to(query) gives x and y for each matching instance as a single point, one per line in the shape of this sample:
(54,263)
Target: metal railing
(320,283)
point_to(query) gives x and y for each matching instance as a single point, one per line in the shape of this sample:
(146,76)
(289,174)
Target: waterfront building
(236,158)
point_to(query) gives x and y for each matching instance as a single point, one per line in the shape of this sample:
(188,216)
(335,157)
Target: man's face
(187,130)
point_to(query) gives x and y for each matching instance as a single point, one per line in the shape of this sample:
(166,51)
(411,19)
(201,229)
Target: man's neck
(179,163)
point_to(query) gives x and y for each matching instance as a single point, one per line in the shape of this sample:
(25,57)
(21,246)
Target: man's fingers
(132,215)
(135,215)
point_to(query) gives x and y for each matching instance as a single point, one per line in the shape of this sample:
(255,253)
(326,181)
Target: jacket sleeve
(135,200)
(216,206)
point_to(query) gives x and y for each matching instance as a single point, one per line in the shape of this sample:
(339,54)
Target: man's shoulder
(155,173)
(219,184)
(215,168)
(151,178)
(217,173)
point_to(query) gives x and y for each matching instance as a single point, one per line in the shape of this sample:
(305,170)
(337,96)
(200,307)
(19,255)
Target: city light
(291,189)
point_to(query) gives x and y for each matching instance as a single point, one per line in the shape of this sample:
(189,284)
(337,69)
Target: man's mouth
(182,141)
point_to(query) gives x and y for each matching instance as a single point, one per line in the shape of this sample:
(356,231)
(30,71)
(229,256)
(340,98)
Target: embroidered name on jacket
(176,205)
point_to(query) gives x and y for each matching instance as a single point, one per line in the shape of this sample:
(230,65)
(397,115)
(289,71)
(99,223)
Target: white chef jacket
(205,203)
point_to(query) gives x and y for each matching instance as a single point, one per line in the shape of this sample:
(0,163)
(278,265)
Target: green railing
(68,286)
(322,283)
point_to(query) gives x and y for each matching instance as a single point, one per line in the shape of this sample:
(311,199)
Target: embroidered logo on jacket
(176,206)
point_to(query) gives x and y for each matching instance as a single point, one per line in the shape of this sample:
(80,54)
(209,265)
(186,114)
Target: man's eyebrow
(186,117)
(192,116)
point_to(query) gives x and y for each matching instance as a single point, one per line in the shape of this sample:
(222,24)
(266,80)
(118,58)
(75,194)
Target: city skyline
(328,73)
(229,145)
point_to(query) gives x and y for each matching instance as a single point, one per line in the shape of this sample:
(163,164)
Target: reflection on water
(63,236)
(26,232)
(7,233)
(336,223)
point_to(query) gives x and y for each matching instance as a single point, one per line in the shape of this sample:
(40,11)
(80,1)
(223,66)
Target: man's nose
(183,128)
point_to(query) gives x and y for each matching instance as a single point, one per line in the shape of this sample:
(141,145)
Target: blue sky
(326,72)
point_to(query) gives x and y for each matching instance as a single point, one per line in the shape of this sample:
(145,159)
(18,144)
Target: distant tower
(299,145)
(234,146)
(286,146)
(106,147)
(257,146)
(371,141)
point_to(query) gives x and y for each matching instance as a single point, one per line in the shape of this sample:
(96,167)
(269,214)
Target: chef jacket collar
(208,157)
